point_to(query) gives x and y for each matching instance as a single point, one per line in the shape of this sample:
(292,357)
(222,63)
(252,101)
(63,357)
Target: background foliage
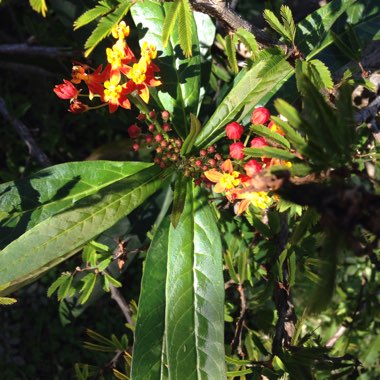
(327,259)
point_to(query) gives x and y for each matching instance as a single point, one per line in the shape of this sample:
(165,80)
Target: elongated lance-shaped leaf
(27,202)
(254,86)
(180,76)
(314,28)
(147,358)
(60,236)
(195,294)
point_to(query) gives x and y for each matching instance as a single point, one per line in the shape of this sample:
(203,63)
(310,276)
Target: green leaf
(312,30)
(254,86)
(7,301)
(60,236)
(195,294)
(31,200)
(179,93)
(89,282)
(185,28)
(264,131)
(178,199)
(147,358)
(249,41)
(276,25)
(39,6)
(105,25)
(270,152)
(65,287)
(56,284)
(170,21)
(231,53)
(293,136)
(101,9)
(195,127)
(287,19)
(317,72)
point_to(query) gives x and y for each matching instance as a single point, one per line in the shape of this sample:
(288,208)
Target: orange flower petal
(227,166)
(213,175)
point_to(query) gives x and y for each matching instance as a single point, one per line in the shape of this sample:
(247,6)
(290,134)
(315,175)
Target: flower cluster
(122,76)
(233,177)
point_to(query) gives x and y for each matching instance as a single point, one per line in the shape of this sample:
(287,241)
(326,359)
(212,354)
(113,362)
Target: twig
(349,322)
(32,50)
(236,342)
(27,70)
(286,320)
(25,135)
(231,20)
(341,330)
(122,303)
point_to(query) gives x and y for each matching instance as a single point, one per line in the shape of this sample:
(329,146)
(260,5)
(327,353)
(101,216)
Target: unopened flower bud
(159,137)
(236,150)
(234,130)
(203,152)
(136,147)
(252,167)
(152,114)
(76,106)
(66,90)
(141,117)
(151,128)
(198,163)
(165,115)
(258,142)
(260,115)
(134,131)
(148,139)
(210,149)
(166,127)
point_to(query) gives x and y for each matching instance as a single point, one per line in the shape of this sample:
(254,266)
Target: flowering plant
(245,196)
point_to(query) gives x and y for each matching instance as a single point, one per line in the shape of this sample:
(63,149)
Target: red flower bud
(134,131)
(198,163)
(152,114)
(203,152)
(252,167)
(158,137)
(66,90)
(260,115)
(76,106)
(136,147)
(165,115)
(236,150)
(166,127)
(148,139)
(141,117)
(258,142)
(234,130)
(151,128)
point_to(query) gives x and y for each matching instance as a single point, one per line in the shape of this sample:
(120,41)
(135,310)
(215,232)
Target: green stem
(135,98)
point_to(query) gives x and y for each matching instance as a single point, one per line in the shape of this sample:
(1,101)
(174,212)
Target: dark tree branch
(230,20)
(33,50)
(285,324)
(25,135)
(236,342)
(122,303)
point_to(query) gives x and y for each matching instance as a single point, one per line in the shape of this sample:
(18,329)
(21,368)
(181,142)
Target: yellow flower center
(120,31)
(229,181)
(116,54)
(148,51)
(137,74)
(112,91)
(259,199)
